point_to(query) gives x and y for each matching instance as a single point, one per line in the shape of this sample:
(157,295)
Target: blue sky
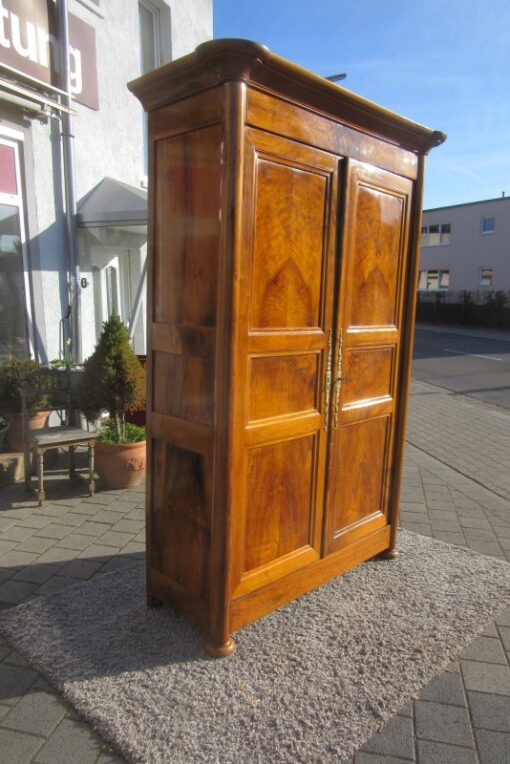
(444,63)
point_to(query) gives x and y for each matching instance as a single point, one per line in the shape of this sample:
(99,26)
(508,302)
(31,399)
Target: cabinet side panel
(181,521)
(187,188)
(186,238)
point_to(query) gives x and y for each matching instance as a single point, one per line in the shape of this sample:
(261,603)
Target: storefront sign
(28,43)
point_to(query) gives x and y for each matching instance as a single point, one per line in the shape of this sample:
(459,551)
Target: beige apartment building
(466,246)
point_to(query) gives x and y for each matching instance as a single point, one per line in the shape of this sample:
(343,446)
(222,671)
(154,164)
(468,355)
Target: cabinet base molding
(278,593)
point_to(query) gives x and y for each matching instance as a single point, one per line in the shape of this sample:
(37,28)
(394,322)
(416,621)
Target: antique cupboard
(284,216)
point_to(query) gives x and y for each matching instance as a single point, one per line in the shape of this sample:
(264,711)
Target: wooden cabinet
(284,219)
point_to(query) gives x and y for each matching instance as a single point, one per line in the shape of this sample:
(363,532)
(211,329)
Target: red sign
(28,43)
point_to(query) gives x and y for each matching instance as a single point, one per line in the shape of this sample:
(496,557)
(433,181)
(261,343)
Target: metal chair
(61,388)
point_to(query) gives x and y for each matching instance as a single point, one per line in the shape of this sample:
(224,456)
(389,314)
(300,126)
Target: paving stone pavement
(468,435)
(461,717)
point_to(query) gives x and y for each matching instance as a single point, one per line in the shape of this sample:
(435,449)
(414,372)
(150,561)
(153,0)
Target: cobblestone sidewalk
(461,717)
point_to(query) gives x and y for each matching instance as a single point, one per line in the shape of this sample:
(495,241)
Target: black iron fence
(476,308)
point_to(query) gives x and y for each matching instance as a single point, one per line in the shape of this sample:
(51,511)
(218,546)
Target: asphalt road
(472,366)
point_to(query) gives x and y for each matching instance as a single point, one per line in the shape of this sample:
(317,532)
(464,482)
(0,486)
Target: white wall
(107,142)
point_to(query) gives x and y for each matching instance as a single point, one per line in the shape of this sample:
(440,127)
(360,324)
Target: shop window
(488,224)
(485,277)
(14,308)
(12,314)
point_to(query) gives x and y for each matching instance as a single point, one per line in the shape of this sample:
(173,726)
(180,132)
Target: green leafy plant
(133,433)
(113,381)
(38,386)
(67,362)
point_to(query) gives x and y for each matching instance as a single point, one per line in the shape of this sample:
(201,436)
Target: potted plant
(73,369)
(113,381)
(38,398)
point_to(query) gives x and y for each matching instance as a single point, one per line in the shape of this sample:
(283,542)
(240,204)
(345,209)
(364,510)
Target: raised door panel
(288,243)
(284,316)
(361,467)
(372,271)
(366,358)
(279,486)
(282,384)
(368,373)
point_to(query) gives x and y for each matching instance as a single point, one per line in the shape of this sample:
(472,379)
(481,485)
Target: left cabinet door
(283,320)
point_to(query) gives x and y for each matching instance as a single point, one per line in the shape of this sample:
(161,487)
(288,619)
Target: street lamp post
(336,77)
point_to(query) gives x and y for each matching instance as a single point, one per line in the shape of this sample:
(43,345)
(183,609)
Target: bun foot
(220,651)
(388,554)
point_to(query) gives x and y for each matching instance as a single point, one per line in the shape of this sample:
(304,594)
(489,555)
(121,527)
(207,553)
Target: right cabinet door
(365,363)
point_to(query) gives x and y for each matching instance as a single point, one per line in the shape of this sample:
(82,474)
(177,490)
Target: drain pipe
(69,185)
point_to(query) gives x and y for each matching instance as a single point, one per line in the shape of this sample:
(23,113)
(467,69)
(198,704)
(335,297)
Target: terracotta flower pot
(35,422)
(120,465)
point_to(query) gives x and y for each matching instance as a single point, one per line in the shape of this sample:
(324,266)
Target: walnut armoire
(284,221)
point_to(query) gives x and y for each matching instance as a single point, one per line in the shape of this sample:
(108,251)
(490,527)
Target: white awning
(112,203)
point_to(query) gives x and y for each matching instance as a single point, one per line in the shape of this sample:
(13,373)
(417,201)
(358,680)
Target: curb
(492,335)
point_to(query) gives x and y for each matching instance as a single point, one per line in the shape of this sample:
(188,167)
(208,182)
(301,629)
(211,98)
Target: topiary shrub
(113,380)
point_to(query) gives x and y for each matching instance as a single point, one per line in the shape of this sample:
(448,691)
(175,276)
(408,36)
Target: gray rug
(308,683)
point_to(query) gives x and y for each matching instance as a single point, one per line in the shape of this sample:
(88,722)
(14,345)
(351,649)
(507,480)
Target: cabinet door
(366,356)
(282,320)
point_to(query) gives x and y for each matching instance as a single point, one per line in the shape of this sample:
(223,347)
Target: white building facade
(110,43)
(466,247)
